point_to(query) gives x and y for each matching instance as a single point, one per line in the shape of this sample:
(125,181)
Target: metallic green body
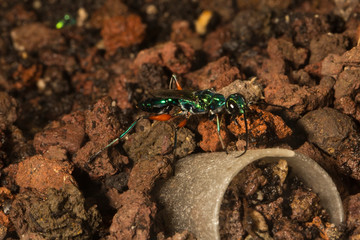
(189,103)
(193,102)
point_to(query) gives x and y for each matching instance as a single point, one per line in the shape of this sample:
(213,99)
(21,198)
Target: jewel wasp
(188,103)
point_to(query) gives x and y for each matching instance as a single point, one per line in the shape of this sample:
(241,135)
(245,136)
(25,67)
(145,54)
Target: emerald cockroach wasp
(188,103)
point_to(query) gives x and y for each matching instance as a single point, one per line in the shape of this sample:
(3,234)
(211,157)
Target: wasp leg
(218,131)
(246,134)
(166,117)
(92,158)
(161,117)
(173,79)
(180,125)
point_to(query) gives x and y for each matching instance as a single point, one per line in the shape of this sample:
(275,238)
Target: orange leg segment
(178,87)
(182,123)
(161,117)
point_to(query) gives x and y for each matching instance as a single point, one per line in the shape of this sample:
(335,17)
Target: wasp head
(235,104)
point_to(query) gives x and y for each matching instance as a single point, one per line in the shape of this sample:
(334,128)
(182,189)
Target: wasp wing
(176,94)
